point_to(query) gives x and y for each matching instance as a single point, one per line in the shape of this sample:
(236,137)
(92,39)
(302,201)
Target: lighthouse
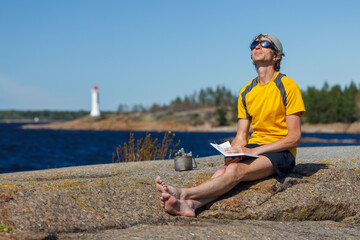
(95,111)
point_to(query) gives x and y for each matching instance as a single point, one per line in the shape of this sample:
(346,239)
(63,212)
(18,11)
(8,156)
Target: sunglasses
(263,43)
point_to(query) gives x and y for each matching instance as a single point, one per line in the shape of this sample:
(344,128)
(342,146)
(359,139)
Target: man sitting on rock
(273,105)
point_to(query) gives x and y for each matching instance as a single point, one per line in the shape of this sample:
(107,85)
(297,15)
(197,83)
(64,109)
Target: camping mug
(184,163)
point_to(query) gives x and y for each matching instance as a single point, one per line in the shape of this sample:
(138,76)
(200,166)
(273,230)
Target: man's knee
(219,172)
(236,171)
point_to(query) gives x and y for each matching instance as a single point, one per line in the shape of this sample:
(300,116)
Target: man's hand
(239,149)
(229,160)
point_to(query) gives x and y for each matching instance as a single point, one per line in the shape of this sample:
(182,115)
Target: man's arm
(290,141)
(242,133)
(240,140)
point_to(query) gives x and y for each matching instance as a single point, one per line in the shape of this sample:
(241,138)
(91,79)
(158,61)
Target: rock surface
(319,200)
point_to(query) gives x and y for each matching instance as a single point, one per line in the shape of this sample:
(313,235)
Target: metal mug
(184,163)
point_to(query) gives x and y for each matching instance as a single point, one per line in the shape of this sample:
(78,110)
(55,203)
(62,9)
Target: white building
(95,110)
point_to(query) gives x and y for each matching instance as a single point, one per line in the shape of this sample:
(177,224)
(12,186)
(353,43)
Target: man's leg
(195,197)
(249,170)
(162,187)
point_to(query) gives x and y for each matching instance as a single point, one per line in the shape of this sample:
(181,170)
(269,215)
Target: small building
(95,109)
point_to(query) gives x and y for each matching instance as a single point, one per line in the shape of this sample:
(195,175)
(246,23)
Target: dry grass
(146,148)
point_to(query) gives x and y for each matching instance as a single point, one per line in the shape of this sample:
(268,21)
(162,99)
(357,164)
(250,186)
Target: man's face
(263,56)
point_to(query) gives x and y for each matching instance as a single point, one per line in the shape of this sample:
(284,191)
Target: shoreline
(113,124)
(120,125)
(335,128)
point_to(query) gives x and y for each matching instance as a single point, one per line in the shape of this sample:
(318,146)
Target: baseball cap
(274,39)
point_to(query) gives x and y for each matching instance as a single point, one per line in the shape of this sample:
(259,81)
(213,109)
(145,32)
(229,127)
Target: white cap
(274,39)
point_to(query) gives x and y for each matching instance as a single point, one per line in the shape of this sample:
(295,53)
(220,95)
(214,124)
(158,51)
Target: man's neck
(265,74)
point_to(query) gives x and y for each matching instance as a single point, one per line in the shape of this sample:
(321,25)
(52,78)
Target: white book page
(221,148)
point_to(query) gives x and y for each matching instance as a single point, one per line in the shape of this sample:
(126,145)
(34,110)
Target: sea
(29,149)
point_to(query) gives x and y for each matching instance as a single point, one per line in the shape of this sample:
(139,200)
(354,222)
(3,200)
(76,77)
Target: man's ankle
(183,194)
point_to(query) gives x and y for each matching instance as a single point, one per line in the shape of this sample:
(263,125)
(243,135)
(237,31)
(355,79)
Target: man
(272,104)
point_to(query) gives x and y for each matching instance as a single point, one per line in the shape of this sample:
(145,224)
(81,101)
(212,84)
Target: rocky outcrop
(199,120)
(120,201)
(203,119)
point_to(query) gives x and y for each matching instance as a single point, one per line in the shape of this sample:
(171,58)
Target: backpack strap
(253,83)
(281,88)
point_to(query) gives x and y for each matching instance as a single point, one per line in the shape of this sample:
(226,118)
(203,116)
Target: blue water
(25,149)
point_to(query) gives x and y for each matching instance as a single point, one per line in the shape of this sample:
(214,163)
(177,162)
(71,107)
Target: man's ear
(277,57)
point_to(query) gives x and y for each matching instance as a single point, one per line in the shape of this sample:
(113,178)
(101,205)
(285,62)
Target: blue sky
(151,51)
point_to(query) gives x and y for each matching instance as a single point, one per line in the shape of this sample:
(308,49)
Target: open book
(221,148)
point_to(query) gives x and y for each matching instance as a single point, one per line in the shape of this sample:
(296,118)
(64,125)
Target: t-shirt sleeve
(295,103)
(241,107)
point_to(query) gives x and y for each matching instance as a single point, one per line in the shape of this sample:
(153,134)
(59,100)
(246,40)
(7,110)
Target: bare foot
(176,206)
(162,187)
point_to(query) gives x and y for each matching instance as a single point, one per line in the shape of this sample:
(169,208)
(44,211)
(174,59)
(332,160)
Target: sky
(142,52)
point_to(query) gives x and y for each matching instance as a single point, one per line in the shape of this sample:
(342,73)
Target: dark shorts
(283,162)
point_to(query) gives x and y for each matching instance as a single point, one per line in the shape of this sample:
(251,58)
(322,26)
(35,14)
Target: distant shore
(114,124)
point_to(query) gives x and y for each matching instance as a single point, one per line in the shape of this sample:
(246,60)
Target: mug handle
(194,162)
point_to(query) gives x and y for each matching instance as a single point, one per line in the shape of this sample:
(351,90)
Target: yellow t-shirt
(267,105)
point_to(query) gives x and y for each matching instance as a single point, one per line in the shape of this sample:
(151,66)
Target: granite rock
(107,200)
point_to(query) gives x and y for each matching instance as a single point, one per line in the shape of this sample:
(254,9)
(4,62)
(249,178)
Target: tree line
(222,98)
(332,104)
(44,115)
(329,104)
